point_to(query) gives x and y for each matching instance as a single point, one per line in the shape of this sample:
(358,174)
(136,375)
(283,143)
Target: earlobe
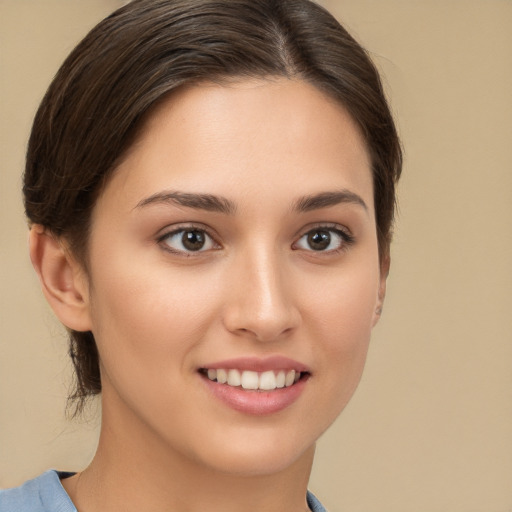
(381,294)
(62,279)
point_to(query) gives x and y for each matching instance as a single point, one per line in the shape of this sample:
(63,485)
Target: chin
(256,454)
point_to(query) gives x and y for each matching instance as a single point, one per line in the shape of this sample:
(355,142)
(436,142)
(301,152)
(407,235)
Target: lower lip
(256,402)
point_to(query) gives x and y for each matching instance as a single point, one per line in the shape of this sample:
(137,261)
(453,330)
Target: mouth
(249,380)
(254,385)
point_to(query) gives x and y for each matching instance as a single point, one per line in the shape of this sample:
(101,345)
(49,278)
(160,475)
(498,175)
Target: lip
(256,364)
(257,403)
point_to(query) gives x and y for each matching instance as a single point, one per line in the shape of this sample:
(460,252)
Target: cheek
(343,303)
(147,328)
(344,311)
(141,315)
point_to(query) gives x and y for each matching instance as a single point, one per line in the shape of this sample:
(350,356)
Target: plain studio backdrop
(430,427)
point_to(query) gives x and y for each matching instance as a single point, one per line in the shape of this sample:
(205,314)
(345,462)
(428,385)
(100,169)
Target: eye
(188,240)
(324,239)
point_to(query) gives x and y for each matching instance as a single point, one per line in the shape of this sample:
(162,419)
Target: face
(235,241)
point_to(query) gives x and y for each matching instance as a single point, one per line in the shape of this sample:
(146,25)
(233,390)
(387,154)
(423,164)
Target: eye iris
(319,240)
(193,240)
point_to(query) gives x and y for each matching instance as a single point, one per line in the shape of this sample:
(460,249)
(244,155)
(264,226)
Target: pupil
(319,240)
(193,240)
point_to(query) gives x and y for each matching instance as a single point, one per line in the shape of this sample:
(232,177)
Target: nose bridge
(261,302)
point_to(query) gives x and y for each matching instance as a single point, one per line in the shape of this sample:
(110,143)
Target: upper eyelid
(329,226)
(170,230)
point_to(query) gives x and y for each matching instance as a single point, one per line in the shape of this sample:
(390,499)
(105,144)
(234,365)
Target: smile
(254,385)
(252,380)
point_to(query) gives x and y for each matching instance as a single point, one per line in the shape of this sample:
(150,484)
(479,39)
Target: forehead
(281,133)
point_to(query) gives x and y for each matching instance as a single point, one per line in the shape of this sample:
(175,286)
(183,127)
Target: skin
(158,313)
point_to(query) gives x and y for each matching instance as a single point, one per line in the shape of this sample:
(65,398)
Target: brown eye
(193,240)
(323,239)
(188,240)
(319,240)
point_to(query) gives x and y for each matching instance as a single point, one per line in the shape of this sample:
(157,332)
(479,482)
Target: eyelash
(345,239)
(188,229)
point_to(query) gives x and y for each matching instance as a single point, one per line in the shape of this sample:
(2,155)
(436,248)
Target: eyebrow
(206,202)
(326,199)
(212,203)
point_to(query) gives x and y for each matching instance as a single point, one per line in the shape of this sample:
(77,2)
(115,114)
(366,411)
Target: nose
(261,302)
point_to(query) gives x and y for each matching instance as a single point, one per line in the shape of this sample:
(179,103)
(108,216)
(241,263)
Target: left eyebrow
(326,199)
(206,202)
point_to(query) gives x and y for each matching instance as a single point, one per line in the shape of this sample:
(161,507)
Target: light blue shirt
(46,494)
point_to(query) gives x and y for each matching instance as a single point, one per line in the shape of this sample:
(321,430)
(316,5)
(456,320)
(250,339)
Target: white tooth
(268,381)
(212,374)
(290,377)
(280,379)
(222,376)
(249,380)
(297,377)
(234,378)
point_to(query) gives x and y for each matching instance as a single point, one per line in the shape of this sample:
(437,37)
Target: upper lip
(259,364)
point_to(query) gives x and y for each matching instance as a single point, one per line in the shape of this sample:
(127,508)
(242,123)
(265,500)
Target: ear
(381,294)
(62,279)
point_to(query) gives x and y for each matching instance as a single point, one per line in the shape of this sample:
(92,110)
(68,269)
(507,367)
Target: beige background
(430,428)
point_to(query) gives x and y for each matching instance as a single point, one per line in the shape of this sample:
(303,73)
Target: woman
(210,187)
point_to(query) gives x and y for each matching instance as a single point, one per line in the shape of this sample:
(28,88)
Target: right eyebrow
(206,202)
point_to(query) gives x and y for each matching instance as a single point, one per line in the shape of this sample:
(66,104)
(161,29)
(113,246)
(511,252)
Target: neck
(134,469)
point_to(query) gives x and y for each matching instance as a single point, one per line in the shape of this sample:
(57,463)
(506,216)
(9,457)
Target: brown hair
(148,48)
